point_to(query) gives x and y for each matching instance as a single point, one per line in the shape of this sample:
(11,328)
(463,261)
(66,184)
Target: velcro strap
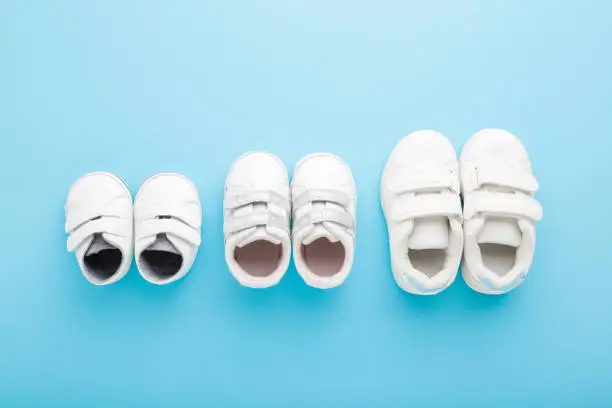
(258,196)
(107,225)
(255,219)
(154,226)
(325,195)
(75,217)
(318,215)
(413,180)
(502,204)
(188,211)
(505,176)
(430,205)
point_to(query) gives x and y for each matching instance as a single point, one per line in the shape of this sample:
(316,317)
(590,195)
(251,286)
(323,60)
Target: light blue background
(138,87)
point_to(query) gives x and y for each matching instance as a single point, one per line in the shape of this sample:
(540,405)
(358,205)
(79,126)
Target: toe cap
(494,145)
(97,188)
(258,169)
(423,147)
(323,171)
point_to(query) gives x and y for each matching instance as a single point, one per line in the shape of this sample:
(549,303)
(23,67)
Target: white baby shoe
(324,199)
(500,211)
(99,219)
(168,221)
(256,215)
(422,207)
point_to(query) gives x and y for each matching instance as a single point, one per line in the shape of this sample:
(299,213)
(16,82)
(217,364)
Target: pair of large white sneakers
(162,227)
(428,228)
(259,205)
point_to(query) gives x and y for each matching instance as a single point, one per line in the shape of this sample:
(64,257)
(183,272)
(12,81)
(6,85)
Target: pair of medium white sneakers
(258,207)
(162,227)
(428,228)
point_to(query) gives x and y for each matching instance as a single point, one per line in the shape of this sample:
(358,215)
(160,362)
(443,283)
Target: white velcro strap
(505,176)
(413,180)
(107,225)
(187,211)
(318,215)
(258,196)
(255,219)
(153,226)
(430,205)
(325,195)
(78,216)
(502,204)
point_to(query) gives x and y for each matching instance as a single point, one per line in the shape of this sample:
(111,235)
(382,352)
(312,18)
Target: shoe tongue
(500,231)
(324,229)
(320,231)
(260,233)
(429,233)
(163,243)
(98,244)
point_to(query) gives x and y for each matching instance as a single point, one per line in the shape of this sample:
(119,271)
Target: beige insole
(259,258)
(323,257)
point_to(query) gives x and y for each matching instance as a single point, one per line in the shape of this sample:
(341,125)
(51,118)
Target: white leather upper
(256,207)
(421,183)
(167,203)
(324,206)
(100,203)
(498,189)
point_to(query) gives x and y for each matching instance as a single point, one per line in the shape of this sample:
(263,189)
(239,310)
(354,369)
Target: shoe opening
(161,260)
(259,258)
(428,261)
(323,257)
(102,260)
(498,258)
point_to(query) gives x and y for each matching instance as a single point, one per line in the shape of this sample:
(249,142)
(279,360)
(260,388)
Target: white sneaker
(99,219)
(324,199)
(499,211)
(256,220)
(420,200)
(168,221)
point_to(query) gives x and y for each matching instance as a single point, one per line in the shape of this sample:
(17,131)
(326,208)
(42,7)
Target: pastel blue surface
(141,87)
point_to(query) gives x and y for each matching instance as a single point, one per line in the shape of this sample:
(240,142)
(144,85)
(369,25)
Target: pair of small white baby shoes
(428,228)
(162,227)
(258,205)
